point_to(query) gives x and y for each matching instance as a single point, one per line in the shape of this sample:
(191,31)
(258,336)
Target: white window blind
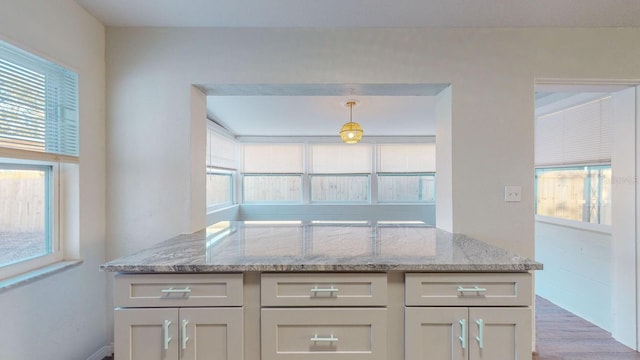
(406,158)
(38,104)
(341,158)
(221,151)
(577,135)
(273,158)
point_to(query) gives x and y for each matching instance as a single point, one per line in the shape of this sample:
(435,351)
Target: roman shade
(406,158)
(273,158)
(221,151)
(582,134)
(341,158)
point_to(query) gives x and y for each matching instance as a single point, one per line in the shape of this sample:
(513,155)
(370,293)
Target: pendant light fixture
(351,132)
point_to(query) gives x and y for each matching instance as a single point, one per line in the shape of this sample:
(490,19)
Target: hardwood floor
(560,335)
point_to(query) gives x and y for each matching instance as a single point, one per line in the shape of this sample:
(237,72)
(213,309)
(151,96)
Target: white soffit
(550,98)
(318,109)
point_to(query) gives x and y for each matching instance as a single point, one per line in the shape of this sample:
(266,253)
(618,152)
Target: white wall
(492,72)
(63,316)
(577,271)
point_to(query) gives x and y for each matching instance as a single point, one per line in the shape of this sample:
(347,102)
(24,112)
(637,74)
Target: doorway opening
(586,196)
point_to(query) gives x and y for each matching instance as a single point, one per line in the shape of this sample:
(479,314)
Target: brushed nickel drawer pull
(475,289)
(185,337)
(332,291)
(165,332)
(480,337)
(176,291)
(463,333)
(330,339)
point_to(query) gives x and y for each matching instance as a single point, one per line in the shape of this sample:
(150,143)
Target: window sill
(33,275)
(600,228)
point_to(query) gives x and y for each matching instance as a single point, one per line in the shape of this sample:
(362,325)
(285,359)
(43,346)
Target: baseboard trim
(102,353)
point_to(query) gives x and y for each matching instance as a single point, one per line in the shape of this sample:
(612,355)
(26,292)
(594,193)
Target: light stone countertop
(261,247)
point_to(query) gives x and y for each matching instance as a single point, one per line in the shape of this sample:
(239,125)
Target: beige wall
(492,72)
(64,316)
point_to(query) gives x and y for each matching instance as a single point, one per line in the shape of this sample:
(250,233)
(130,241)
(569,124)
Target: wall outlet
(512,193)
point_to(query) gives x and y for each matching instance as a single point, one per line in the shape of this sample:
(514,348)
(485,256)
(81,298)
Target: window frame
(54,223)
(62,156)
(272,202)
(339,202)
(406,174)
(595,226)
(231,175)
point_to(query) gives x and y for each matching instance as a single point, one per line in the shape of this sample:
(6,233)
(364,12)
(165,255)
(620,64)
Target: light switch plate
(512,193)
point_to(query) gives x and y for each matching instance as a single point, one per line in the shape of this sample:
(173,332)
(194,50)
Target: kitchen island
(291,290)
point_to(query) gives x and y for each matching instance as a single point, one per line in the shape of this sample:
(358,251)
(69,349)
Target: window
(406,188)
(340,173)
(340,188)
(26,230)
(221,169)
(219,188)
(283,188)
(335,173)
(38,133)
(575,193)
(406,173)
(573,162)
(272,173)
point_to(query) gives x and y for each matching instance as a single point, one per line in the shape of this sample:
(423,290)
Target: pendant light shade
(351,132)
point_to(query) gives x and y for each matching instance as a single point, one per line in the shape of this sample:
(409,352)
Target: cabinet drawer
(314,334)
(324,289)
(462,289)
(168,290)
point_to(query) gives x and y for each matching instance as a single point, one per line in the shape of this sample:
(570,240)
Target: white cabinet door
(173,334)
(146,334)
(500,333)
(436,333)
(212,334)
(460,333)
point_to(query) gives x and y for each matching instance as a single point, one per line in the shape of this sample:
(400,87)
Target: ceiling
(366,13)
(317,110)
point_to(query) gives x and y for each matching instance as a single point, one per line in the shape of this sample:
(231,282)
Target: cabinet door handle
(176,291)
(330,339)
(165,330)
(185,338)
(331,290)
(480,337)
(475,289)
(463,333)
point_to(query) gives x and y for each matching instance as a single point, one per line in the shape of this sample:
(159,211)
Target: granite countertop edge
(522,267)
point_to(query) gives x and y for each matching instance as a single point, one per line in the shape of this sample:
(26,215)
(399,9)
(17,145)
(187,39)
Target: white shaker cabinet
(185,334)
(324,316)
(468,316)
(165,317)
(468,333)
